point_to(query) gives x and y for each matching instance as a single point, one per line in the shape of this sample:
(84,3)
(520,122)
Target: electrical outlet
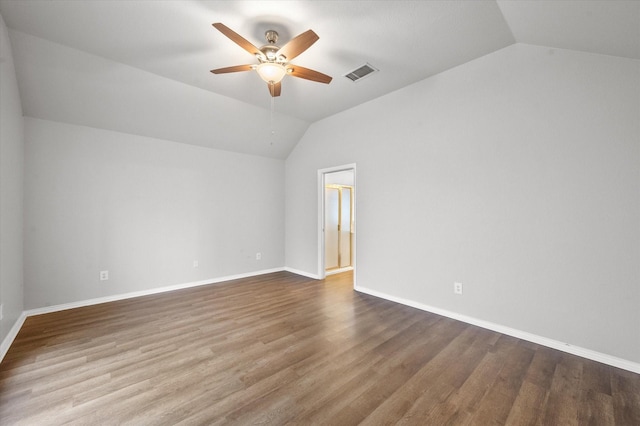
(104,275)
(195,263)
(258,256)
(457,288)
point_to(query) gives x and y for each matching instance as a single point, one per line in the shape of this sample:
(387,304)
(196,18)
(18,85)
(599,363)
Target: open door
(338,227)
(336,220)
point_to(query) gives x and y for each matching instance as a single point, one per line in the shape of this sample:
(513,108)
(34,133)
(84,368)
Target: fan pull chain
(273,131)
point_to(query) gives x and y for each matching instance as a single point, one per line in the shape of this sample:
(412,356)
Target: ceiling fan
(273,61)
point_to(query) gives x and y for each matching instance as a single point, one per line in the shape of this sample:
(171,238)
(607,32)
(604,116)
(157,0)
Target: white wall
(144,209)
(11,189)
(63,84)
(517,174)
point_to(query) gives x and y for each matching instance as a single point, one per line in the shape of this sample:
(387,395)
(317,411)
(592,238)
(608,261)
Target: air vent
(361,72)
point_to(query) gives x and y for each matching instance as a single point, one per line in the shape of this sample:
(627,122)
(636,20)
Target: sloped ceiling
(142,67)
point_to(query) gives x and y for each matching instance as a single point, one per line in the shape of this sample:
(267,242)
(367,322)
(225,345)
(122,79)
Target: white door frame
(321,245)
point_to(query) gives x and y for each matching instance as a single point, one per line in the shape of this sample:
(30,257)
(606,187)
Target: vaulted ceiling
(142,67)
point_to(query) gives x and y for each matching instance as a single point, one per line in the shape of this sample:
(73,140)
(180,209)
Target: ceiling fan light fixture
(271,72)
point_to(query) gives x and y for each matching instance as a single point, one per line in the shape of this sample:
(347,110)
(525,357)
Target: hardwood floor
(283,349)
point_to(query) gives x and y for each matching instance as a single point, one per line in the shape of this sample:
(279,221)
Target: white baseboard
(115,297)
(6,343)
(304,274)
(544,341)
(554,344)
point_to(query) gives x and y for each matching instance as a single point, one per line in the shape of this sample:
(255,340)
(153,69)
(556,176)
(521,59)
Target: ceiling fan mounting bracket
(271,36)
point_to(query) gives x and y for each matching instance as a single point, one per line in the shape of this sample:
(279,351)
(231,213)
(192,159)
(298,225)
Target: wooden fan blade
(308,74)
(237,39)
(235,68)
(275,89)
(298,44)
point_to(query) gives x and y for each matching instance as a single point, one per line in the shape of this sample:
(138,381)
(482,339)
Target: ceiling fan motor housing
(270,51)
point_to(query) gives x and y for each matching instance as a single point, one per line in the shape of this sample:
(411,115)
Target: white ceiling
(161,53)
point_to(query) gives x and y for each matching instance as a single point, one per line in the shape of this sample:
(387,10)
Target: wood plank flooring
(283,349)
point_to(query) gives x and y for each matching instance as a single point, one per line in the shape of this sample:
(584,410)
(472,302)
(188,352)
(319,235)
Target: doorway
(338,227)
(337,220)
